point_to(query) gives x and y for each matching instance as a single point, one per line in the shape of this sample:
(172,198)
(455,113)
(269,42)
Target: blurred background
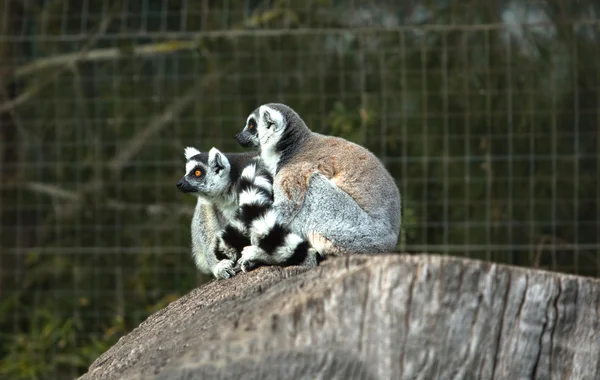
(485,112)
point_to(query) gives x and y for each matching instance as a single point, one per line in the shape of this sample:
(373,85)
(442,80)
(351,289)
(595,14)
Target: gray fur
(206,224)
(333,214)
(330,218)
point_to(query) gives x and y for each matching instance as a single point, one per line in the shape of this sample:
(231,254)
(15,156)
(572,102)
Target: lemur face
(263,129)
(248,137)
(205,175)
(271,124)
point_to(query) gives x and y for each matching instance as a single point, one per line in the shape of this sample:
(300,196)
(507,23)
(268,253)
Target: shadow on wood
(371,317)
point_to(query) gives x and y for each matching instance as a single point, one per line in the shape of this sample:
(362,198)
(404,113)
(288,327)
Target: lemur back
(336,180)
(350,167)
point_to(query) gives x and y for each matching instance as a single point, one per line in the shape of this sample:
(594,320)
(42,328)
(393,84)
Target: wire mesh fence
(486,115)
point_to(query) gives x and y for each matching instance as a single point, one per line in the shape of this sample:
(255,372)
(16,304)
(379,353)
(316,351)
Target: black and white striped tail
(277,241)
(258,216)
(255,196)
(257,223)
(231,241)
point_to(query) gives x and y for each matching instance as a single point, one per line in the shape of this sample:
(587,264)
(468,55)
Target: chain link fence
(486,114)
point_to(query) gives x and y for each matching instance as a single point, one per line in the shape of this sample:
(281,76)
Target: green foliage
(345,123)
(50,346)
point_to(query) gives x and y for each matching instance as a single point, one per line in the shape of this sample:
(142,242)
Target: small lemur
(333,192)
(245,201)
(211,178)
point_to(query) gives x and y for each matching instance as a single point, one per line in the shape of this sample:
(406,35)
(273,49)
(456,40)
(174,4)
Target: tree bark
(371,317)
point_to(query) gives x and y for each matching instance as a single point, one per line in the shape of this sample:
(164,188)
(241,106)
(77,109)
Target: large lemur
(234,211)
(334,193)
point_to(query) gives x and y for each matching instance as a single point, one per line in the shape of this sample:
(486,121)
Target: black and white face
(264,128)
(270,124)
(248,137)
(205,175)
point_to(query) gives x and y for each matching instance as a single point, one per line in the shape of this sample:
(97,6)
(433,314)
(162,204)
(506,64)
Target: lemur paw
(250,259)
(248,266)
(224,269)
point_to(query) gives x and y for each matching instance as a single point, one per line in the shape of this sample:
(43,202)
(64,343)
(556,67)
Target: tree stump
(371,317)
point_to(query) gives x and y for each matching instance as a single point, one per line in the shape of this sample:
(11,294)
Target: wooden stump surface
(371,317)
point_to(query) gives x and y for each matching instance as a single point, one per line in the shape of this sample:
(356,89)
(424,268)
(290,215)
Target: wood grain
(371,317)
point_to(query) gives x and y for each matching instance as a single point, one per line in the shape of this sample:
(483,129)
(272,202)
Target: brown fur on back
(349,166)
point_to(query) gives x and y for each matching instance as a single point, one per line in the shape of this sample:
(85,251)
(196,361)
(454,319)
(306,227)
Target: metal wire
(490,130)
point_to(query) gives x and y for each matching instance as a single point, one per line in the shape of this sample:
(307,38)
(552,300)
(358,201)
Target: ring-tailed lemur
(245,203)
(333,192)
(211,177)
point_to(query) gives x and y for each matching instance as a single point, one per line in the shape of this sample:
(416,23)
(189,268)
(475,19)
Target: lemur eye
(250,126)
(197,173)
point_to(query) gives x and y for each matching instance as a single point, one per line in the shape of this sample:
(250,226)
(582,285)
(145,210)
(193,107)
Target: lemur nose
(179,184)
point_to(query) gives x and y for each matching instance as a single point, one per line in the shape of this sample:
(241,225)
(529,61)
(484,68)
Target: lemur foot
(313,258)
(251,256)
(224,269)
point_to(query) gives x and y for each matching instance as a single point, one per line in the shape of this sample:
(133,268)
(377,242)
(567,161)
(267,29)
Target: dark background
(485,112)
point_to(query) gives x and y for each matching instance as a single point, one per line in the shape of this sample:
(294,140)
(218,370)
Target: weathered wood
(376,317)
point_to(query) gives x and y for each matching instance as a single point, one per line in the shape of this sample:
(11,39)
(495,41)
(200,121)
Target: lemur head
(277,130)
(248,137)
(206,175)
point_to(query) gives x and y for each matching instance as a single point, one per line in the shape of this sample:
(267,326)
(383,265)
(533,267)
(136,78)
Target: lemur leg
(231,240)
(224,257)
(206,225)
(228,248)
(334,223)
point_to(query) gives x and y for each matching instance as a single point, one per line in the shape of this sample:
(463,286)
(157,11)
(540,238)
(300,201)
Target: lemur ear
(190,152)
(217,160)
(273,118)
(279,125)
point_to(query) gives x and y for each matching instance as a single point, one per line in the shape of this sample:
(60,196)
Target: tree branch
(75,197)
(73,59)
(170,113)
(104,55)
